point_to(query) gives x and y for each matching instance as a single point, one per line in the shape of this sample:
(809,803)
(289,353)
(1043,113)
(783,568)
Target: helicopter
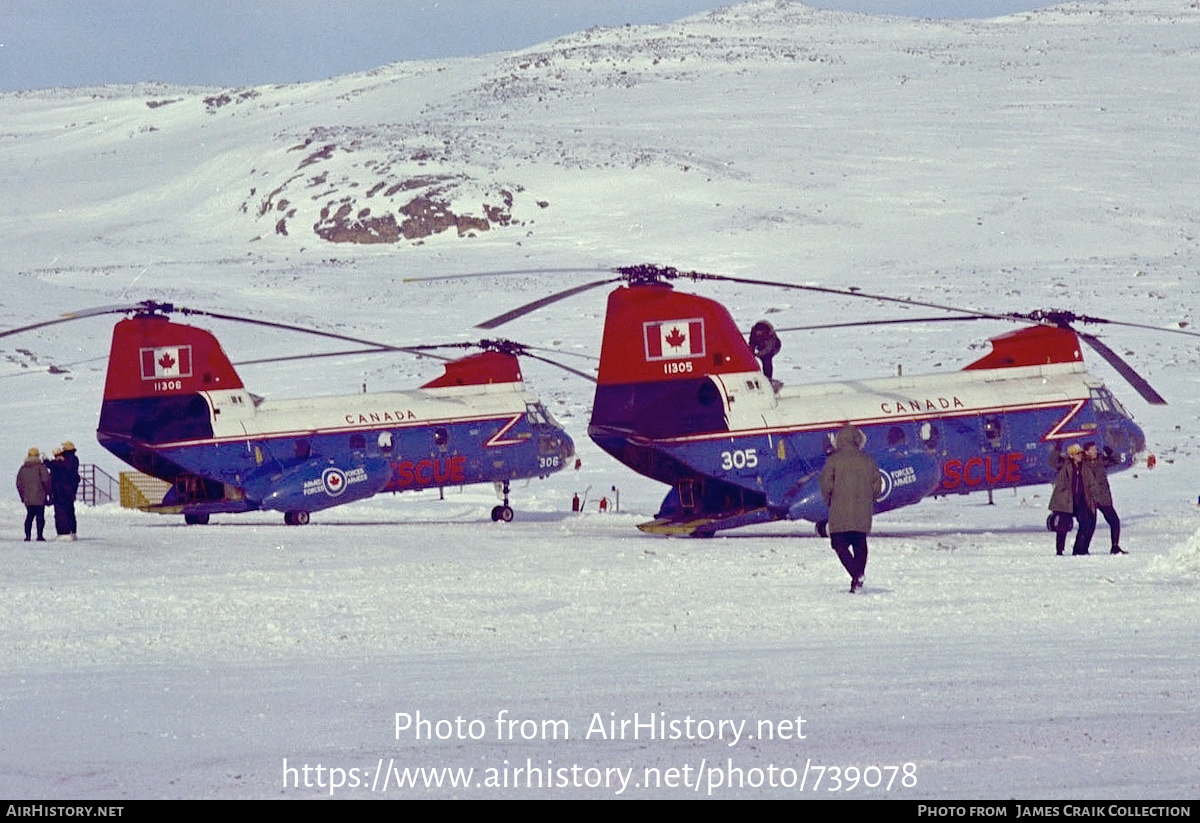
(681,398)
(175,408)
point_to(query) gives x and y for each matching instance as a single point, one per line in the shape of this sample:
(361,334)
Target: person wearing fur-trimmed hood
(850,482)
(33,485)
(64,473)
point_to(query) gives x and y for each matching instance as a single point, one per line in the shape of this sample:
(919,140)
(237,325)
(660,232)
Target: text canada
(926,404)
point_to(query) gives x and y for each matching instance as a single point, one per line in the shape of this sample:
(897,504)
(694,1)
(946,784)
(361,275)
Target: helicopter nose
(567,448)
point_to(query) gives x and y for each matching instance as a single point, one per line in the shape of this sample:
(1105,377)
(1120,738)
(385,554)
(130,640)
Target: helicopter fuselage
(181,414)
(738,450)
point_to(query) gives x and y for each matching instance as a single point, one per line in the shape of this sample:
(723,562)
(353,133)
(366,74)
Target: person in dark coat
(1096,465)
(764,342)
(33,485)
(64,473)
(850,482)
(1074,495)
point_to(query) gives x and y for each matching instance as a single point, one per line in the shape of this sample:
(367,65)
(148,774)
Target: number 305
(739,459)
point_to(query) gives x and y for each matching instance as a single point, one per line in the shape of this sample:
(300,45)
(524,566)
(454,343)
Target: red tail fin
(659,352)
(653,333)
(1032,346)
(153,357)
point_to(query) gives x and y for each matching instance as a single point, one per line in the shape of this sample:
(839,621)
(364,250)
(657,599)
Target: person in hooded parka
(33,485)
(850,482)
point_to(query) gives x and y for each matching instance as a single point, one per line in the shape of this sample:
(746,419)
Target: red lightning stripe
(495,439)
(1057,432)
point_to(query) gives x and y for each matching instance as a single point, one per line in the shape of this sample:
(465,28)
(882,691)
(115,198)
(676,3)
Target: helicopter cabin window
(385,442)
(303,449)
(441,437)
(358,442)
(929,434)
(896,436)
(708,394)
(992,429)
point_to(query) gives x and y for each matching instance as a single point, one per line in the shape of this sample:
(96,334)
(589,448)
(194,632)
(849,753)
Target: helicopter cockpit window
(536,414)
(1106,405)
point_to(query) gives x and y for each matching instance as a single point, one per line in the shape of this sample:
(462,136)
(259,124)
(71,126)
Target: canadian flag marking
(166,361)
(674,339)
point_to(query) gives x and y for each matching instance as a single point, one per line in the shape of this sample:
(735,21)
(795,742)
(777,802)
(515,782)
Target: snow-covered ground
(1044,160)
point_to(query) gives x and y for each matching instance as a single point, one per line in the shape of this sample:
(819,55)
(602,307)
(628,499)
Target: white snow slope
(1042,160)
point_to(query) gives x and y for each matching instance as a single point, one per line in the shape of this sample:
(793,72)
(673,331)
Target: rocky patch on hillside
(350,194)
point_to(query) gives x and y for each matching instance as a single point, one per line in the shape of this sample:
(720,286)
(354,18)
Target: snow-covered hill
(1041,160)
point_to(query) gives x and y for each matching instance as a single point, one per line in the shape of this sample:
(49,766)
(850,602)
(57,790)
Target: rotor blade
(71,316)
(1124,369)
(562,353)
(270,324)
(346,353)
(899,321)
(506,272)
(167,308)
(854,292)
(521,311)
(1148,327)
(1083,318)
(563,366)
(503,345)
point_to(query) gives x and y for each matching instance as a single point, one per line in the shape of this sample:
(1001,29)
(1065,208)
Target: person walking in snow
(33,485)
(850,482)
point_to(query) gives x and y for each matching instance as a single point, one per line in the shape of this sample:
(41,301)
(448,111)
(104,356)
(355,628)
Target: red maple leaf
(676,338)
(166,361)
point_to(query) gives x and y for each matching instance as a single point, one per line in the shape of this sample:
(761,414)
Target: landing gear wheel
(196,519)
(502,513)
(823,528)
(295,518)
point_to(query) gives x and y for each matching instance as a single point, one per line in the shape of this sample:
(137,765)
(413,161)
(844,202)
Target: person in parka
(850,482)
(1073,495)
(64,485)
(33,485)
(1095,466)
(765,344)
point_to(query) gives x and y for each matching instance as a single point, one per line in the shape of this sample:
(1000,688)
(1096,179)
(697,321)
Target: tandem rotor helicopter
(175,408)
(680,398)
